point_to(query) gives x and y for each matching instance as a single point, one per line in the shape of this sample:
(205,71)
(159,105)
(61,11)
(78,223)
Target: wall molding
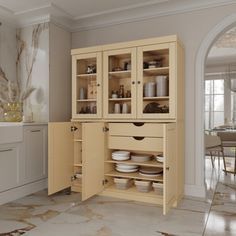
(138,12)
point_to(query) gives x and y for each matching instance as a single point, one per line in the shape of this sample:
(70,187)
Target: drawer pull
(138,124)
(6,150)
(34,131)
(138,138)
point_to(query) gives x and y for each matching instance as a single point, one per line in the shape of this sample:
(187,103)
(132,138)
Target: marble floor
(61,214)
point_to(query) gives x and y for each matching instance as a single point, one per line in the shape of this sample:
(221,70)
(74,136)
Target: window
(214,103)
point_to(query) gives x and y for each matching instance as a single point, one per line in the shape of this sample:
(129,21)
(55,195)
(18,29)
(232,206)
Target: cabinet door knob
(168,168)
(133,82)
(139,82)
(98,85)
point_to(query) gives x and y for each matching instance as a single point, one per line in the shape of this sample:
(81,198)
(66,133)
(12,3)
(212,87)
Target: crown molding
(138,12)
(144,13)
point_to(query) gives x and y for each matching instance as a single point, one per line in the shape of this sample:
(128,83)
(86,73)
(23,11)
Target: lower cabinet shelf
(133,194)
(134,175)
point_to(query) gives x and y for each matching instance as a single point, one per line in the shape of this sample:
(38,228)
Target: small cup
(117,108)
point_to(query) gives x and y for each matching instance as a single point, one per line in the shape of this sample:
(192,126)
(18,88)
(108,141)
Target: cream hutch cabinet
(125,96)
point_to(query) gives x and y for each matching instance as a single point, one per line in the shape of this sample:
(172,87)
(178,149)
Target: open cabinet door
(92,159)
(60,156)
(169,166)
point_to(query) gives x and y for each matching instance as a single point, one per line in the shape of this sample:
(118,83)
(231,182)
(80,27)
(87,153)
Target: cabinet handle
(139,82)
(6,150)
(34,131)
(138,124)
(168,168)
(133,82)
(73,128)
(138,138)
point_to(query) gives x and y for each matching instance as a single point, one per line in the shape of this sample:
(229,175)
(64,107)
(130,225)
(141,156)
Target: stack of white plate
(140,157)
(126,168)
(160,158)
(150,171)
(120,155)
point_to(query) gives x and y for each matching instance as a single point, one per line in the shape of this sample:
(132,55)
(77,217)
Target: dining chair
(228,139)
(213,146)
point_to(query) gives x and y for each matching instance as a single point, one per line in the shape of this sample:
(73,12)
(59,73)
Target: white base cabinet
(35,147)
(12,170)
(24,163)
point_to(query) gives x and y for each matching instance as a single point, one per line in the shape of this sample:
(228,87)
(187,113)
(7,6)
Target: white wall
(8,50)
(191,28)
(60,74)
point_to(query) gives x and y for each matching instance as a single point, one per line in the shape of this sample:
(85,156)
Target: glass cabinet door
(86,85)
(156,81)
(119,72)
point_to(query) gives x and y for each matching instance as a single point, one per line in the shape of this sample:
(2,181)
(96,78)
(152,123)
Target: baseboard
(22,191)
(194,190)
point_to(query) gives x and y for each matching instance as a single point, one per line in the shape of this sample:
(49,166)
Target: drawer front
(132,144)
(136,129)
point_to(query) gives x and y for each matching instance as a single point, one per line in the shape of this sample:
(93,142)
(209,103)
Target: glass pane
(206,120)
(219,86)
(208,87)
(218,102)
(218,118)
(86,86)
(208,102)
(119,84)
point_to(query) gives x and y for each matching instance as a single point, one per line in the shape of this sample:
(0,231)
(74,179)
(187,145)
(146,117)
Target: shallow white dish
(150,175)
(120,158)
(127,167)
(150,170)
(127,171)
(140,158)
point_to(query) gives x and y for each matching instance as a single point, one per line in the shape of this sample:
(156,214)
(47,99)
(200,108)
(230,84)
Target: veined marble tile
(221,224)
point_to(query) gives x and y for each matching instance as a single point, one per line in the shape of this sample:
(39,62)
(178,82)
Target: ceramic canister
(149,89)
(161,85)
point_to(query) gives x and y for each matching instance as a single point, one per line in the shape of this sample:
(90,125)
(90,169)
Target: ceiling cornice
(155,8)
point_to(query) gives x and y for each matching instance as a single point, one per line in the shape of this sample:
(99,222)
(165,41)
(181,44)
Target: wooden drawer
(133,144)
(136,129)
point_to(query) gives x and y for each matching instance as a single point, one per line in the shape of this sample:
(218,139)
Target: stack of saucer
(126,168)
(120,155)
(150,171)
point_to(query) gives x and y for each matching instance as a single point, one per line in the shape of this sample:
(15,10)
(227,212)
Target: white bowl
(127,167)
(140,158)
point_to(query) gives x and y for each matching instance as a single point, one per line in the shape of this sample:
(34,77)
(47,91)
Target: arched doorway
(207,43)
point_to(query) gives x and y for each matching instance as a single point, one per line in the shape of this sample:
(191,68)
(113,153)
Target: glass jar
(12,111)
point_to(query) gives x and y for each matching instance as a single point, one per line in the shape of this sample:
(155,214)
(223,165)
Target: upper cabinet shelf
(156,71)
(140,80)
(87,75)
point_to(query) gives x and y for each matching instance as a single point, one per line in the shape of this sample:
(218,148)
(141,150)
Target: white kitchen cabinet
(11,166)
(35,151)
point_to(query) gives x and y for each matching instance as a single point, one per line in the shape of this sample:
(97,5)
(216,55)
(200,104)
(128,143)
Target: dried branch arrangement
(17,91)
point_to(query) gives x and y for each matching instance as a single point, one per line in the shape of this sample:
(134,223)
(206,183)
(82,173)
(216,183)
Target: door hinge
(105,181)
(105,129)
(73,128)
